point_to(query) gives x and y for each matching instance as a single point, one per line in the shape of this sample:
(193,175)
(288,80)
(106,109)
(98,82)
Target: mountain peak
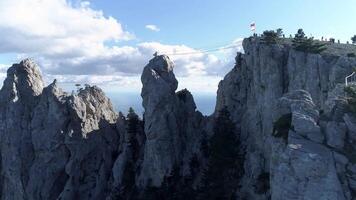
(24,80)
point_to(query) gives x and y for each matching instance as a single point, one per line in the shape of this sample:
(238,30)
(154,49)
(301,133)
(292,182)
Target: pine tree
(270,37)
(299,38)
(171,184)
(353,39)
(133,126)
(128,179)
(133,120)
(225,163)
(305,44)
(279,32)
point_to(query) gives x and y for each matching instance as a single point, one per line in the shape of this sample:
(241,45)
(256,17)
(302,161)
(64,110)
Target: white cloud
(70,43)
(188,61)
(3,68)
(199,84)
(55,27)
(152,27)
(106,82)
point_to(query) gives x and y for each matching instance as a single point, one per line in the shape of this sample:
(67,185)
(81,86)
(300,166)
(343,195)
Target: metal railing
(350,78)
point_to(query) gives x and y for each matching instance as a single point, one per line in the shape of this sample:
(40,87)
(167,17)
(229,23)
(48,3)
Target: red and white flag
(253,26)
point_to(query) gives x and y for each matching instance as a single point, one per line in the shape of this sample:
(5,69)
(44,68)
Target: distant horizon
(122,101)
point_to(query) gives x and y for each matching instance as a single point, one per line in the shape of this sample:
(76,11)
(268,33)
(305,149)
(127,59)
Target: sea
(122,101)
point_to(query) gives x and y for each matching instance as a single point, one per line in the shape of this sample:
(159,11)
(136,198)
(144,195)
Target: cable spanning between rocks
(200,51)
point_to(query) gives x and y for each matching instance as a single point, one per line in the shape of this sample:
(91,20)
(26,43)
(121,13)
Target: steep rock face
(18,97)
(91,141)
(47,173)
(131,151)
(251,92)
(172,126)
(54,145)
(302,167)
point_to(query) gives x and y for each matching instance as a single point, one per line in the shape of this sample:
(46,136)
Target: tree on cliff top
(305,44)
(270,37)
(279,32)
(133,128)
(353,39)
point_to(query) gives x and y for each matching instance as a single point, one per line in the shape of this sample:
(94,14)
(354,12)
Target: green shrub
(270,37)
(282,126)
(352,55)
(351,97)
(353,39)
(305,44)
(279,32)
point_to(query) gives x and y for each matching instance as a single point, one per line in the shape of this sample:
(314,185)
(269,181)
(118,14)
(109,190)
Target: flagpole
(253,28)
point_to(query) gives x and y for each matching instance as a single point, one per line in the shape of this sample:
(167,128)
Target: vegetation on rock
(134,126)
(271,36)
(282,126)
(225,162)
(351,97)
(351,55)
(353,39)
(305,44)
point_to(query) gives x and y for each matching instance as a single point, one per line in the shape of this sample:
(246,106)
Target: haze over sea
(122,101)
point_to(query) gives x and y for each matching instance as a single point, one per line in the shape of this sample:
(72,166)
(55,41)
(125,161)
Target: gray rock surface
(18,98)
(172,125)
(335,134)
(289,107)
(302,168)
(54,145)
(269,81)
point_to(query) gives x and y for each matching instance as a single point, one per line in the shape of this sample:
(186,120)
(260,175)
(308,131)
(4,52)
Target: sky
(108,42)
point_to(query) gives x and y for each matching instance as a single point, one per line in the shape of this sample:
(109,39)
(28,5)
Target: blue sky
(107,42)
(201,23)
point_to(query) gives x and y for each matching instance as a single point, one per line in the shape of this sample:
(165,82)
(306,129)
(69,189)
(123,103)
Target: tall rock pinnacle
(46,136)
(158,82)
(23,81)
(18,98)
(166,124)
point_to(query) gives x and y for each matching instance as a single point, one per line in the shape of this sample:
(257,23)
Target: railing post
(349,76)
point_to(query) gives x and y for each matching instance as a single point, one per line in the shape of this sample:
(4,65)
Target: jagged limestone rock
(251,92)
(172,126)
(335,134)
(18,98)
(303,168)
(54,145)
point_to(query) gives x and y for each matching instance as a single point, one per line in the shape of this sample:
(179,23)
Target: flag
(253,26)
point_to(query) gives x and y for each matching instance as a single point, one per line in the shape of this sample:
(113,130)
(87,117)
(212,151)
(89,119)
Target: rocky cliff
(283,128)
(54,145)
(274,87)
(173,127)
